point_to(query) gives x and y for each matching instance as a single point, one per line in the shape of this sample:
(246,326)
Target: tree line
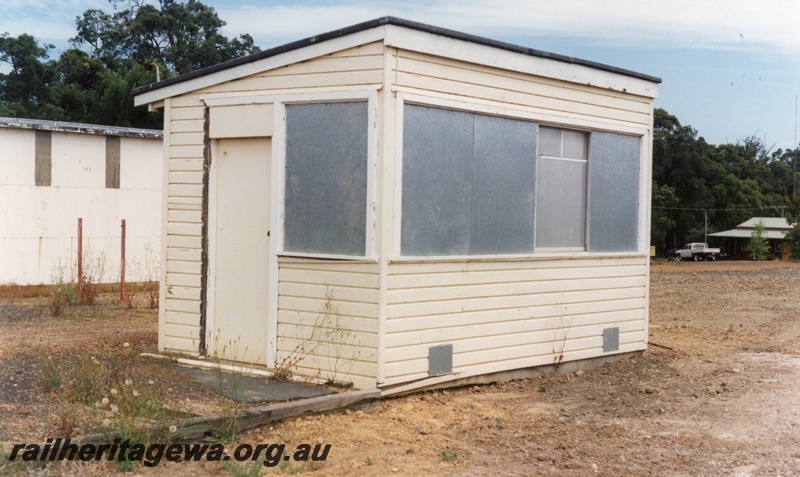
(127,46)
(113,52)
(697,185)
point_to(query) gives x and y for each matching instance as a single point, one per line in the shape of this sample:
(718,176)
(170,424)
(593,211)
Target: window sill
(324,257)
(542,256)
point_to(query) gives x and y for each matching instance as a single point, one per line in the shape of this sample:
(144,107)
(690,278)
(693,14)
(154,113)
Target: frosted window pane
(468,183)
(549,142)
(437,181)
(574,144)
(326,178)
(614,200)
(503,186)
(560,207)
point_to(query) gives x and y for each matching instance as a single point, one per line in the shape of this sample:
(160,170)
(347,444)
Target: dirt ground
(717,393)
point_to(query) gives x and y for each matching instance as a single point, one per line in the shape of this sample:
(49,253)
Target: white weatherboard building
(429,205)
(52,173)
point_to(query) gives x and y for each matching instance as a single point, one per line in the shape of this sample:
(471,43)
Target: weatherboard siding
(181,292)
(506,314)
(443,77)
(358,67)
(498,314)
(317,297)
(502,315)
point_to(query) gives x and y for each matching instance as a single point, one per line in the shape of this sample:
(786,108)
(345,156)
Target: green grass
(450,454)
(127,403)
(245,470)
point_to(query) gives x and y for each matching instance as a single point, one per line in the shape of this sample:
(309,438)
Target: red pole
(80,256)
(122,266)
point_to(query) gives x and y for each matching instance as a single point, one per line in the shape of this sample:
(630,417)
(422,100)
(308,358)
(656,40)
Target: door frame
(277,182)
(211,234)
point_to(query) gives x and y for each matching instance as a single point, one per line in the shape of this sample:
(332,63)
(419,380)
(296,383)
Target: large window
(614,197)
(468,183)
(325,199)
(475,184)
(561,191)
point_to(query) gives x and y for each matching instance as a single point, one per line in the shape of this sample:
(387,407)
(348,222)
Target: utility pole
(705,237)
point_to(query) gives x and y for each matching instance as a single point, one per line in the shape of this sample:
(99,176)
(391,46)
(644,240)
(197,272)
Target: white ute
(696,251)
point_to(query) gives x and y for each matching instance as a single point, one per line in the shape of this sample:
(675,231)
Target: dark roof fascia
(389,20)
(60,126)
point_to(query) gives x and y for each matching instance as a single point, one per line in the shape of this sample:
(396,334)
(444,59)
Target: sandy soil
(717,393)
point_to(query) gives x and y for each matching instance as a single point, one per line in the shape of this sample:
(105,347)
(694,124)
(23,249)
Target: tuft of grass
(129,407)
(147,285)
(245,470)
(60,295)
(78,381)
(231,408)
(450,454)
(286,467)
(64,425)
(51,375)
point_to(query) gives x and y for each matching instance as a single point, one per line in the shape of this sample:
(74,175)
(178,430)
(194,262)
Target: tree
(180,36)
(728,183)
(24,91)
(792,239)
(661,220)
(98,30)
(91,82)
(758,244)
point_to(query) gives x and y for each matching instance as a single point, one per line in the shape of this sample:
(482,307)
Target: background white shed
(425,204)
(52,173)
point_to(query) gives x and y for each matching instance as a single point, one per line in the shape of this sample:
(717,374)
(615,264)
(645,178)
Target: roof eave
(154,92)
(69,127)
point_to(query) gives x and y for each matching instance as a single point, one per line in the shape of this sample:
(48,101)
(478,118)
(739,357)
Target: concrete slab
(252,389)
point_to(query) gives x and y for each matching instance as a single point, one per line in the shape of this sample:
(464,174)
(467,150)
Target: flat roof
(389,20)
(62,126)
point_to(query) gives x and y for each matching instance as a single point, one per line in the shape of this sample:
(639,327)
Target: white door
(241,250)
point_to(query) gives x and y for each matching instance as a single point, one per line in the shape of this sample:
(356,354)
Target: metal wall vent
(610,339)
(440,359)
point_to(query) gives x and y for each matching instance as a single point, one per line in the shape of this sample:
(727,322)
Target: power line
(712,209)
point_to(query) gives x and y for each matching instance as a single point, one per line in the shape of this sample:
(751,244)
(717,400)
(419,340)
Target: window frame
(644,134)
(278,172)
(279,157)
(313,180)
(587,136)
(458,194)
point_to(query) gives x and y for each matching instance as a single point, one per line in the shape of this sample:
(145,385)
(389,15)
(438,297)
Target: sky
(730,68)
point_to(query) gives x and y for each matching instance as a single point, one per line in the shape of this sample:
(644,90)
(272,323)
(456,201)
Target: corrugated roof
(736,233)
(62,126)
(389,20)
(769,223)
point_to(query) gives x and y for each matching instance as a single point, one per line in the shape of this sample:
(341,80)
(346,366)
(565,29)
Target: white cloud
(49,21)
(715,24)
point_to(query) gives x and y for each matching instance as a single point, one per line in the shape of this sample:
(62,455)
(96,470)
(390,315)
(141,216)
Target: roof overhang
(62,126)
(770,234)
(419,37)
